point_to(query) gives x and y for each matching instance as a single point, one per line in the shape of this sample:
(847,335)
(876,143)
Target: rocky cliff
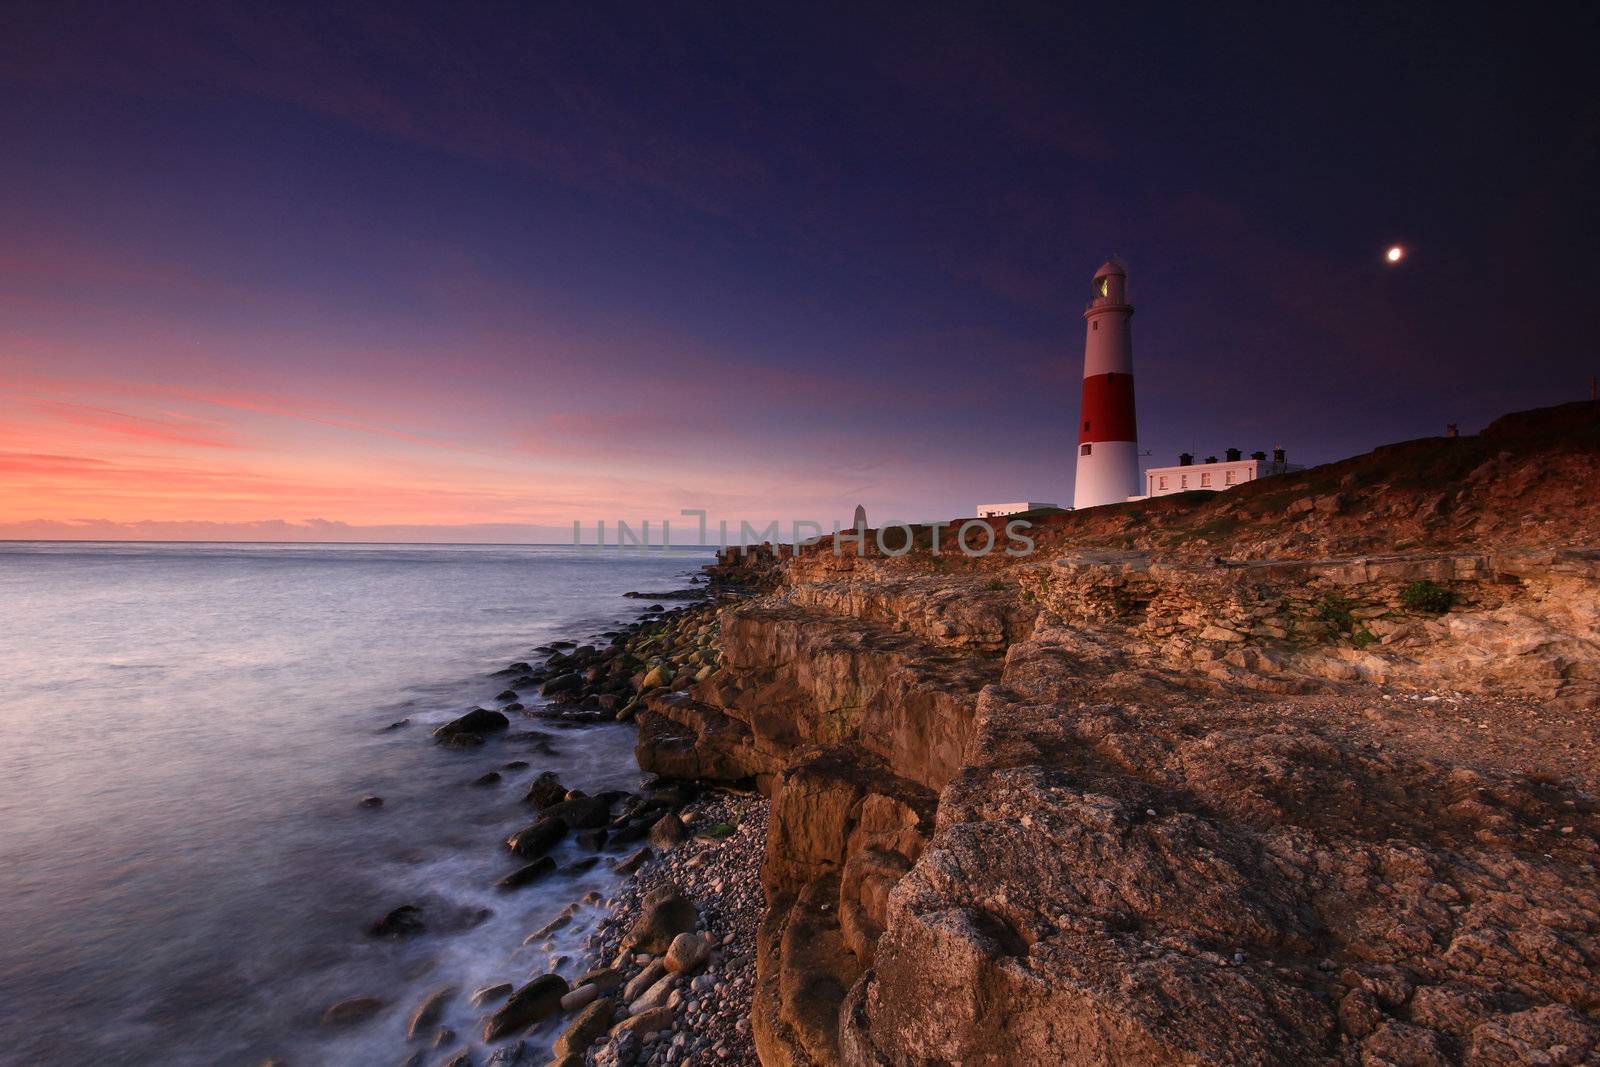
(1299,773)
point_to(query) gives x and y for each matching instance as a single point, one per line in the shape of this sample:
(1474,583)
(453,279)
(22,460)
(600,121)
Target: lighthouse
(1108,444)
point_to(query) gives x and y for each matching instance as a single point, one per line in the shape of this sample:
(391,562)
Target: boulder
(492,778)
(545,790)
(590,1025)
(352,1010)
(653,972)
(537,839)
(428,1013)
(664,914)
(470,728)
(562,685)
(602,978)
(593,840)
(580,997)
(527,875)
(404,921)
(667,832)
(633,862)
(581,813)
(687,953)
(649,1021)
(533,1003)
(490,993)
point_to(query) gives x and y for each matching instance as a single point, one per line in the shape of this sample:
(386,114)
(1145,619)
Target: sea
(187,731)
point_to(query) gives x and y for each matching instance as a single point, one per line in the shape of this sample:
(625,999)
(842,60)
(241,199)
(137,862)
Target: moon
(1395,254)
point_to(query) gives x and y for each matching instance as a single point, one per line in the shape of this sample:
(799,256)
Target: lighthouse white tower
(1108,443)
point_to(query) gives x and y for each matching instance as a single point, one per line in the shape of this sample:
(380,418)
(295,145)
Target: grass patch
(1427,597)
(719,830)
(1335,611)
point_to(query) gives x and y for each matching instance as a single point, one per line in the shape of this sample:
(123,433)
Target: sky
(475,271)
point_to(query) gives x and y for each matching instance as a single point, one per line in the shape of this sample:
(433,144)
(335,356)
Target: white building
(995,511)
(1213,473)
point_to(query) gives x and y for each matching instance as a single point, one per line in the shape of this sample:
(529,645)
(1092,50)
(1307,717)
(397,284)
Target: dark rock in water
(534,1002)
(352,1010)
(460,1059)
(491,993)
(632,831)
(593,840)
(611,796)
(546,790)
(492,778)
(516,765)
(416,1059)
(663,915)
(519,666)
(444,1038)
(537,839)
(370,801)
(507,694)
(428,1013)
(513,706)
(508,1055)
(432,915)
(581,813)
(401,725)
(562,684)
(608,702)
(470,728)
(404,921)
(579,866)
(527,875)
(563,644)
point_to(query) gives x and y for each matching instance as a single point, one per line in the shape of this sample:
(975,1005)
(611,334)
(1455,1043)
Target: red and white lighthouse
(1108,443)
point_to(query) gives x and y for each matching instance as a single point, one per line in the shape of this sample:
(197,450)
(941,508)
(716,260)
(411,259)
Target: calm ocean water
(185,729)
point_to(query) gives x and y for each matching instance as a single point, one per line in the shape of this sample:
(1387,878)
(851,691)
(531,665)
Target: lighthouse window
(1103,286)
(1083,450)
(1086,424)
(1095,325)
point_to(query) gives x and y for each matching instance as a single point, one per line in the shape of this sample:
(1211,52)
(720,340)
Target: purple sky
(502,266)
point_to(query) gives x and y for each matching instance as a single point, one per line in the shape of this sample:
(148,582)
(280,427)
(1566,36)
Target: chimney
(1277,457)
(1233,455)
(1185,459)
(1259,457)
(1211,459)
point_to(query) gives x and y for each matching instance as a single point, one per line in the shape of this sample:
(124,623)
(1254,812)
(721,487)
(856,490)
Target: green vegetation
(995,585)
(1428,597)
(718,830)
(1335,610)
(1363,637)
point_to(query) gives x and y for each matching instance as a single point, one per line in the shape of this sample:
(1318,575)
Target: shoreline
(644,998)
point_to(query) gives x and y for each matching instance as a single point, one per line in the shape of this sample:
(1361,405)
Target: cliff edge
(1303,772)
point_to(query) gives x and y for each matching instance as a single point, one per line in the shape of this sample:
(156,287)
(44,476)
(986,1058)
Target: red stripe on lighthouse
(1107,409)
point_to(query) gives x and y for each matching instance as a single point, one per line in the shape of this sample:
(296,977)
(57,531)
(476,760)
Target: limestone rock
(534,1002)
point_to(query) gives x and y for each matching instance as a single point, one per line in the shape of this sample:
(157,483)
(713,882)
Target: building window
(1228,477)
(1183,481)
(1205,480)
(1085,449)
(1163,481)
